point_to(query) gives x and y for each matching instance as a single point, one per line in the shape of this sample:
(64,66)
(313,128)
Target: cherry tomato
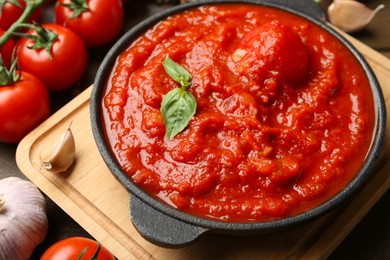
(11,12)
(63,67)
(6,50)
(23,106)
(72,247)
(98,25)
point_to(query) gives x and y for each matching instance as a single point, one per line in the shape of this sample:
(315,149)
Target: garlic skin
(351,16)
(23,219)
(61,155)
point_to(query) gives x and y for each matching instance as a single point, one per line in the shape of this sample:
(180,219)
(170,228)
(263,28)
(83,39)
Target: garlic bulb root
(351,16)
(2,202)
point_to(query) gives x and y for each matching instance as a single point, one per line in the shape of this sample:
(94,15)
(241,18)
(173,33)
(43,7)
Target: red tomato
(71,248)
(275,55)
(12,12)
(97,26)
(63,67)
(23,106)
(6,50)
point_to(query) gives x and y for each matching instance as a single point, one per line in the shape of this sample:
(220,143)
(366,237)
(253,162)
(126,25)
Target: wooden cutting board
(93,197)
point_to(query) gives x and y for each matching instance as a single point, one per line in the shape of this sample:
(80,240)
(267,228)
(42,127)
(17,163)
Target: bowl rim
(96,122)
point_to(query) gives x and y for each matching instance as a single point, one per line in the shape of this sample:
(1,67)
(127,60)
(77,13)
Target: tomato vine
(31,6)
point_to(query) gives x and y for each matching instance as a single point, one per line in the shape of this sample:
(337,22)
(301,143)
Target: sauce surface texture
(284,114)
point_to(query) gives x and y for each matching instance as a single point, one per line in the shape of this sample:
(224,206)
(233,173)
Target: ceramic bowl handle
(307,7)
(160,228)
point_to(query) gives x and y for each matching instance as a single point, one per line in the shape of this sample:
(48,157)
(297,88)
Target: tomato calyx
(9,76)
(77,6)
(94,257)
(44,38)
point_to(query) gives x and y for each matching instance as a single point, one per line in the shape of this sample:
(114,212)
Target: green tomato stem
(31,6)
(42,33)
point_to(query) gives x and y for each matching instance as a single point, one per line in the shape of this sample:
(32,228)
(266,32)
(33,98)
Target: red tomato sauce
(284,114)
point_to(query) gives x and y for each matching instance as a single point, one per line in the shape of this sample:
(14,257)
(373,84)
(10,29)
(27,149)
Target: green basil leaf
(177,72)
(177,107)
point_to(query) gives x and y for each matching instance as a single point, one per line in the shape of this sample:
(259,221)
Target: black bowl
(166,226)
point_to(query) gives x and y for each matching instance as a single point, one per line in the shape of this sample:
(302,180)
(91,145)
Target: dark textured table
(369,240)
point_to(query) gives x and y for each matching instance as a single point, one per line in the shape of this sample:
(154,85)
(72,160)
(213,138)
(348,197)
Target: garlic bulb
(23,220)
(60,156)
(350,16)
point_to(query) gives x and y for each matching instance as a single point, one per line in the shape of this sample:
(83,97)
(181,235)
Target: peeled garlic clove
(351,16)
(61,155)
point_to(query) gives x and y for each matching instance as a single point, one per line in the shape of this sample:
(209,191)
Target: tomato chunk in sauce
(284,114)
